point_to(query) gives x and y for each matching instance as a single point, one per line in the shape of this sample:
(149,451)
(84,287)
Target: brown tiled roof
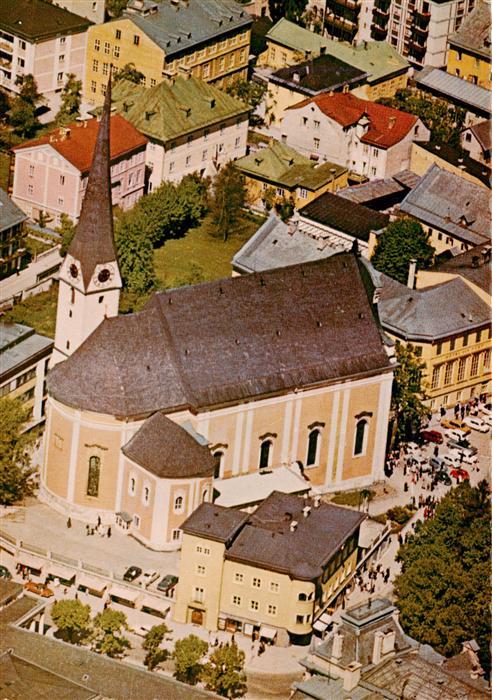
(214,522)
(228,340)
(168,450)
(355,219)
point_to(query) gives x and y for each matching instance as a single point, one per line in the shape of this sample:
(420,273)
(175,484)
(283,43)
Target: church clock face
(74,271)
(104,275)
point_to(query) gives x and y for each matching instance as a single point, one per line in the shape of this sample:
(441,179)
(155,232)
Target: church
(148,413)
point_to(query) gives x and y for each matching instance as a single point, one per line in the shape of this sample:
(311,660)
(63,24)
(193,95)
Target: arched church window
(218,458)
(93,476)
(72,295)
(178,504)
(360,437)
(265,450)
(313,444)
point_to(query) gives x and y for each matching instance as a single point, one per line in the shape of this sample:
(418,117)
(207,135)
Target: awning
(268,632)
(60,571)
(31,561)
(154,604)
(94,584)
(125,593)
(124,516)
(326,618)
(320,626)
(248,629)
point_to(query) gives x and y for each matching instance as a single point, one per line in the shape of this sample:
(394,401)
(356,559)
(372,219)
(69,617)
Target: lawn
(38,311)
(4,170)
(199,256)
(352,498)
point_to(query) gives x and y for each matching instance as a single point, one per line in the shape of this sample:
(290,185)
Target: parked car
(132,573)
(39,589)
(167,584)
(437,463)
(5,573)
(476,424)
(452,459)
(462,446)
(149,577)
(456,434)
(432,436)
(459,474)
(454,424)
(442,476)
(487,410)
(487,419)
(469,460)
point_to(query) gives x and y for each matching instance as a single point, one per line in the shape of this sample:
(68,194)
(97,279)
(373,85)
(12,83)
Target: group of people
(366,581)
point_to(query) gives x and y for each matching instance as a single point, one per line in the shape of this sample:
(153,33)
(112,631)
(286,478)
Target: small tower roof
(93,243)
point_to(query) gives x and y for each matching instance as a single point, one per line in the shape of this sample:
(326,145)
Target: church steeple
(90,281)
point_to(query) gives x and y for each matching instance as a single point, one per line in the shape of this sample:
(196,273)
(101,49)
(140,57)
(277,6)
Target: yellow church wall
(362,400)
(315,409)
(267,424)
(136,504)
(57,452)
(104,444)
(221,431)
(175,520)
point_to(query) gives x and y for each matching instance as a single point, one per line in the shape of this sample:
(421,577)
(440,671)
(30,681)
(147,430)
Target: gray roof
(168,450)
(214,522)
(474,32)
(474,265)
(483,133)
(374,189)
(18,344)
(475,98)
(177,28)
(451,204)
(431,313)
(267,541)
(355,220)
(459,159)
(276,244)
(10,214)
(228,340)
(317,75)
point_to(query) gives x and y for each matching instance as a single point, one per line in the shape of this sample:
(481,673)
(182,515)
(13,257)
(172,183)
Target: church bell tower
(90,281)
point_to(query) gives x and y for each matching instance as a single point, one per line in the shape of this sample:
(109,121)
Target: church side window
(265,451)
(360,437)
(219,459)
(178,504)
(93,476)
(313,445)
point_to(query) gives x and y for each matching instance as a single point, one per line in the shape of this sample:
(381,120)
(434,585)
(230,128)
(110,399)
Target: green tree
(71,98)
(115,8)
(108,633)
(4,107)
(22,115)
(15,447)
(188,655)
(224,672)
(444,121)
(292,10)
(129,72)
(443,591)
(193,195)
(251,92)
(408,396)
(153,639)
(73,620)
(135,253)
(400,242)
(29,89)
(66,229)
(227,201)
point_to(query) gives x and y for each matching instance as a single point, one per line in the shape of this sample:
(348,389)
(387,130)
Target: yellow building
(469,48)
(288,43)
(277,174)
(425,154)
(164,38)
(267,574)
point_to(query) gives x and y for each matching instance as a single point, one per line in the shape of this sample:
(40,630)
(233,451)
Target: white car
(486,411)
(149,577)
(470,460)
(452,459)
(454,434)
(487,419)
(476,424)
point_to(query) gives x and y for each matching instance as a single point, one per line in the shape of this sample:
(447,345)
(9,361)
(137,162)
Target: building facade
(469,48)
(265,574)
(191,126)
(11,232)
(212,42)
(90,9)
(42,40)
(288,44)
(477,141)
(50,173)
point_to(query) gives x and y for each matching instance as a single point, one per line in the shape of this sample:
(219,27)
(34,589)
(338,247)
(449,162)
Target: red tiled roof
(387,126)
(78,146)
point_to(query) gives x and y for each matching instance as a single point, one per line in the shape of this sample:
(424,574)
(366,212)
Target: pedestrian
(109,531)
(405,487)
(436,450)
(69,523)
(462,411)
(98,521)
(442,412)
(87,530)
(467,409)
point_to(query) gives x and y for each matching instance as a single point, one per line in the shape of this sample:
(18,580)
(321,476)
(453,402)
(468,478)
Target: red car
(432,436)
(39,589)
(459,474)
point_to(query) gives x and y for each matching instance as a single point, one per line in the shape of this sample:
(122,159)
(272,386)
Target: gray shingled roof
(475,98)
(266,539)
(475,265)
(10,213)
(276,244)
(214,522)
(317,75)
(356,220)
(228,340)
(177,28)
(167,450)
(18,344)
(451,204)
(474,32)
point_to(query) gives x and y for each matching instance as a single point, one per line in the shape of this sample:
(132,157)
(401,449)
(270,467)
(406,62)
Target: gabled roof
(483,134)
(378,58)
(474,265)
(387,126)
(461,92)
(168,450)
(18,345)
(228,340)
(458,159)
(76,141)
(321,74)
(448,202)
(282,165)
(176,27)
(167,111)
(37,20)
(474,32)
(10,213)
(295,37)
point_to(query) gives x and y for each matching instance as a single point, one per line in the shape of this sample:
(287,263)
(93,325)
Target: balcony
(6,46)
(420,31)
(381,17)
(335,5)
(5,63)
(416,49)
(378,33)
(423,17)
(382,5)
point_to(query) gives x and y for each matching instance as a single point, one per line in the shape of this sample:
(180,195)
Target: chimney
(412,273)
(296,77)
(377,649)
(392,122)
(316,501)
(389,640)
(336,652)
(293,526)
(306,510)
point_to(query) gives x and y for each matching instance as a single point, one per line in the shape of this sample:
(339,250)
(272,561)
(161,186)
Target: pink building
(50,173)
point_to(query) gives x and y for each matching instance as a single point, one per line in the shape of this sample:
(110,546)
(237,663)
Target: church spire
(93,243)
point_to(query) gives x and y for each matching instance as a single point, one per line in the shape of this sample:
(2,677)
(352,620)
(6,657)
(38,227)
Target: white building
(90,9)
(368,138)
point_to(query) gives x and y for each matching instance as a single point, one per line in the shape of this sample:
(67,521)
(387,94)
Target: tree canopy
(151,644)
(400,242)
(224,672)
(66,229)
(292,10)
(443,591)
(108,633)
(188,658)
(128,72)
(15,447)
(73,620)
(22,114)
(229,194)
(407,393)
(71,98)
